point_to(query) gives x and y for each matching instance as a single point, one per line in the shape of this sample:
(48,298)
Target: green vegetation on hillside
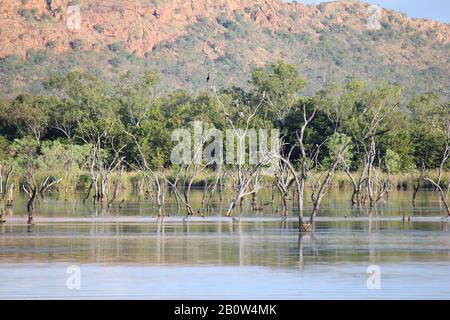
(230,47)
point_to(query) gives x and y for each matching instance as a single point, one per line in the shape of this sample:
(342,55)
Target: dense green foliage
(82,110)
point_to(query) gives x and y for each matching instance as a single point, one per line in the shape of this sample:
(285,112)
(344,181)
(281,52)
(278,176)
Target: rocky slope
(185,40)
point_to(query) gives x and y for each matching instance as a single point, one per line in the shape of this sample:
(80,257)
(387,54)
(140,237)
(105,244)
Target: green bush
(83,182)
(228,24)
(115,62)
(305,37)
(51,44)
(116,47)
(77,44)
(46,17)
(393,161)
(99,28)
(4,144)
(37,56)
(27,14)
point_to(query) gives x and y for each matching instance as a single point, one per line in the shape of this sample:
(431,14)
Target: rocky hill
(185,40)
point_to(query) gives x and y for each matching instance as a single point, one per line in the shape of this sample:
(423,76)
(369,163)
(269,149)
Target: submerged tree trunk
(443,191)
(415,191)
(300,184)
(442,194)
(355,199)
(31,203)
(66,189)
(317,197)
(1,181)
(2,212)
(9,202)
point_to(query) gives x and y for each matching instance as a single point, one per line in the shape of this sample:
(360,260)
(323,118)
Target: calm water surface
(129,253)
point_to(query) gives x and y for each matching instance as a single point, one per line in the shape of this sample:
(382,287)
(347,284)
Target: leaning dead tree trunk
(4,187)
(47,185)
(300,184)
(32,194)
(356,183)
(9,202)
(438,183)
(284,180)
(416,184)
(2,204)
(2,213)
(442,193)
(31,189)
(325,184)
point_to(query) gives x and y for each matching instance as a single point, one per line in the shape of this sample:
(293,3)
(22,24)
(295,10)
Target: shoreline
(212,219)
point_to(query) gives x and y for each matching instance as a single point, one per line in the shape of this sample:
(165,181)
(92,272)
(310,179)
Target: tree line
(86,132)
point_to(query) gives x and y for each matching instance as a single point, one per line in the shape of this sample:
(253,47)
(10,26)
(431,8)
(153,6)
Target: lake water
(129,253)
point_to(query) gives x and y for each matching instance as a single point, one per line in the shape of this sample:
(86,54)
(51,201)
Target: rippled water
(129,253)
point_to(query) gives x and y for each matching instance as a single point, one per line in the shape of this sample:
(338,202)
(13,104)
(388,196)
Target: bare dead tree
(186,174)
(384,183)
(218,183)
(190,171)
(1,180)
(101,166)
(437,183)
(31,189)
(116,188)
(149,174)
(356,184)
(370,123)
(300,179)
(323,180)
(377,186)
(4,186)
(244,175)
(6,204)
(2,213)
(284,180)
(47,184)
(325,184)
(246,178)
(9,202)
(416,183)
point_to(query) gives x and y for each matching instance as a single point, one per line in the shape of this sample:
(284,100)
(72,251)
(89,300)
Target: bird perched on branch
(208,78)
